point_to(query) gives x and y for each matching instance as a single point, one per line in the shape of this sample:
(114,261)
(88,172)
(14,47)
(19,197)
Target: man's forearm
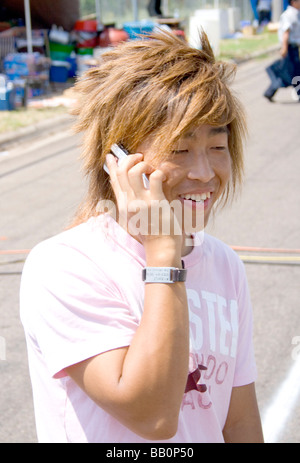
(285,44)
(159,351)
(244,433)
(243,423)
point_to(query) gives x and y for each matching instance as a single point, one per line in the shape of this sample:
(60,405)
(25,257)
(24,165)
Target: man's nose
(201,168)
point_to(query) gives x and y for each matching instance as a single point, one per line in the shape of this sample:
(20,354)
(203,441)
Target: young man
(264,9)
(139,325)
(286,72)
(154,8)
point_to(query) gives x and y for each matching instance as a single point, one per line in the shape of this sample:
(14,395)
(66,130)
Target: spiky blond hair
(158,86)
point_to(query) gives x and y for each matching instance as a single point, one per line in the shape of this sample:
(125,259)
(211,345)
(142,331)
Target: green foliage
(243,47)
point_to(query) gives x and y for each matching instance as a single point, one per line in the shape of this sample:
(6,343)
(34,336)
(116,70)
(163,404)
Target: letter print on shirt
(213,349)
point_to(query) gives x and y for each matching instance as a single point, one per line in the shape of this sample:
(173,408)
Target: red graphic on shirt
(193,378)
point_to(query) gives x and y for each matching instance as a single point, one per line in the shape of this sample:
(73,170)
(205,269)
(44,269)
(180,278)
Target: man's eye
(180,151)
(219,148)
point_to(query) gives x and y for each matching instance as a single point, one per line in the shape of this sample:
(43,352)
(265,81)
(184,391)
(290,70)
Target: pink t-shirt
(82,294)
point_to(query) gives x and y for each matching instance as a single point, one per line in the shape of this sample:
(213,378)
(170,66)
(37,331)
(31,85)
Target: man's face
(197,171)
(296,4)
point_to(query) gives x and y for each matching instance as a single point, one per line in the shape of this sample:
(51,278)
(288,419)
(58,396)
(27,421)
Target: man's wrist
(163,260)
(163,253)
(164,274)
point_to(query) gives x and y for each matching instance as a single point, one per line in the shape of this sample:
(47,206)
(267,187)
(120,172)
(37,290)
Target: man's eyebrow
(216,130)
(212,132)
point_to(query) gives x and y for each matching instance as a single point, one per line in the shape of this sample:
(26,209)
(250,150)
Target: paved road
(40,186)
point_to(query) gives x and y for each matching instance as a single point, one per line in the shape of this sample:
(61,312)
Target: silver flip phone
(120,152)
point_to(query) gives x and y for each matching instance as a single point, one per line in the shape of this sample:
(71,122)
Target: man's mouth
(199,197)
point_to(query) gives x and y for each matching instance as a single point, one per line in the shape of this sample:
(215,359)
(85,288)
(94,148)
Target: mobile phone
(120,152)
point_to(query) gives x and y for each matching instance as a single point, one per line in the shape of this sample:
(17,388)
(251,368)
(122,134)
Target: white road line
(282,405)
(2,348)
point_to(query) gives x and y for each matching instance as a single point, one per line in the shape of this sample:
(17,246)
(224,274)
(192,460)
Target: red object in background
(87,33)
(91,43)
(112,37)
(4,26)
(179,33)
(86,25)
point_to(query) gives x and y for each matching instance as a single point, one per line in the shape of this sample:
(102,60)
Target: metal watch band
(163,274)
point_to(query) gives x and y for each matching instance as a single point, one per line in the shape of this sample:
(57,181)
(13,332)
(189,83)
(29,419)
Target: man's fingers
(156,184)
(118,170)
(136,173)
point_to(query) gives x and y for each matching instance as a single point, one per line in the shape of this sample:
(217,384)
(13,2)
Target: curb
(36,130)
(258,54)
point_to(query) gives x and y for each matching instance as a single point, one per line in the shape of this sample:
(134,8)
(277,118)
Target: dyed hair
(157,86)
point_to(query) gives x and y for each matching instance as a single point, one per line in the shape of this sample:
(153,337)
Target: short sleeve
(286,22)
(245,371)
(71,308)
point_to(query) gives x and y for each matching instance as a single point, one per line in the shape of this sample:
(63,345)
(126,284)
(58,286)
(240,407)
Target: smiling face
(197,171)
(157,90)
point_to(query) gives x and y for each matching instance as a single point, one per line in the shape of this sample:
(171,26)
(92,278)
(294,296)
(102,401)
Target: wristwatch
(163,274)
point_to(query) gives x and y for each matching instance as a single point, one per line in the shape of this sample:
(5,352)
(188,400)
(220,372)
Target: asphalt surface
(41,185)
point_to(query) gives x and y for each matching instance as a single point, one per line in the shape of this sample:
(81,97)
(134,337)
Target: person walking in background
(264,9)
(154,8)
(284,72)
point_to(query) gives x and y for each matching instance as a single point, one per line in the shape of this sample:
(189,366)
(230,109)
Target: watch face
(158,274)
(163,274)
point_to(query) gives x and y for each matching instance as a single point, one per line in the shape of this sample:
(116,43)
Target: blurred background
(44,47)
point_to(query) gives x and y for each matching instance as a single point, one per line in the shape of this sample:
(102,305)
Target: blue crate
(7,99)
(59,71)
(136,28)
